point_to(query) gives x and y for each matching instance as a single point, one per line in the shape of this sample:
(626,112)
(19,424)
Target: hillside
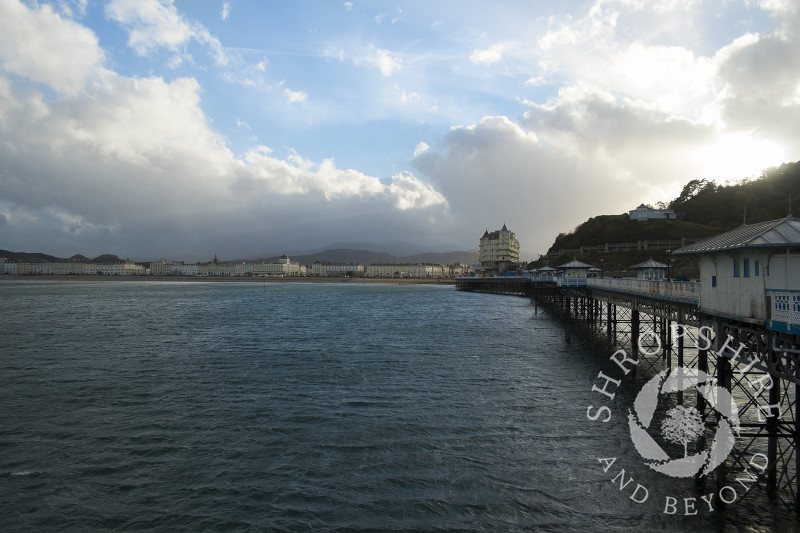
(620,228)
(724,206)
(704,208)
(367,257)
(36,257)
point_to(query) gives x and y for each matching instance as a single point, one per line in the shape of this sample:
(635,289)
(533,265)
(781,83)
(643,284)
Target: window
(755,267)
(735,268)
(713,281)
(746,267)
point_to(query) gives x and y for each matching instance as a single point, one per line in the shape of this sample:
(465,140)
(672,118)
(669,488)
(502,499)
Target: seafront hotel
(284,267)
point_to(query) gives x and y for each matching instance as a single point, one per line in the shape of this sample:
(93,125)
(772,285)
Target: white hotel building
(499,251)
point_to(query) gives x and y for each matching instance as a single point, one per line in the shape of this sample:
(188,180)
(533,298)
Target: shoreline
(219,279)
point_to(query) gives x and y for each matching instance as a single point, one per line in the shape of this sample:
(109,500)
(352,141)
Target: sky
(161,128)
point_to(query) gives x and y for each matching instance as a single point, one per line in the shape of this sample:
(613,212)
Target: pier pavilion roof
(772,234)
(650,263)
(575,264)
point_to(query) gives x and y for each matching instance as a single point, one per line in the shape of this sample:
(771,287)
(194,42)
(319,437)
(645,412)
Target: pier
(750,345)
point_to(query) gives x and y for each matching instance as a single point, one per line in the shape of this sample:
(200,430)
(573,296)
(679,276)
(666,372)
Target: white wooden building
(752,273)
(651,270)
(574,269)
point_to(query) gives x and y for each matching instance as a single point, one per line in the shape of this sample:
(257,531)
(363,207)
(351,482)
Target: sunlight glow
(738,156)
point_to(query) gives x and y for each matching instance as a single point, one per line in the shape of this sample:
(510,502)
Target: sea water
(164,406)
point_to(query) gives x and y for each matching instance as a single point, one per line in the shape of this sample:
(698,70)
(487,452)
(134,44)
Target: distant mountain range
(399,249)
(36,257)
(369,257)
(333,255)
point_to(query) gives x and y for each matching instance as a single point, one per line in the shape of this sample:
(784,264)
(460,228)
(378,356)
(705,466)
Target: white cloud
(489,55)
(398,17)
(781,7)
(226,10)
(150,23)
(411,193)
(407,97)
(382,59)
(332,52)
(295,96)
(79,6)
(658,6)
(536,81)
(584,149)
(595,29)
(599,50)
(640,109)
(79,172)
(144,146)
(40,45)
(153,24)
(348,6)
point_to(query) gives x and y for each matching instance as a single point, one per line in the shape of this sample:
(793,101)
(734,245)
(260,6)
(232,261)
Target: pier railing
(784,310)
(783,306)
(682,291)
(571,282)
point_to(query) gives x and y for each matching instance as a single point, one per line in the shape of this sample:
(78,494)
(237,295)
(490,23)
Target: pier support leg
(796,440)
(723,380)
(568,313)
(702,365)
(635,334)
(614,322)
(680,353)
(772,435)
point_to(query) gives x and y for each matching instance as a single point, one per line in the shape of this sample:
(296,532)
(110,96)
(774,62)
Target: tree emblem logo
(683,425)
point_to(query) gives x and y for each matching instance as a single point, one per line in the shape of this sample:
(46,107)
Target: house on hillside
(644,213)
(752,273)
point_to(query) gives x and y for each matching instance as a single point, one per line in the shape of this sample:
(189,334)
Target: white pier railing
(683,291)
(784,310)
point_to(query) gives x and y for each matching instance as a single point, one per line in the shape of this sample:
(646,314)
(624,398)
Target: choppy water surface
(311,407)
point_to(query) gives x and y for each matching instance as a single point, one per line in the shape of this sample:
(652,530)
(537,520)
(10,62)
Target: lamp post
(669,264)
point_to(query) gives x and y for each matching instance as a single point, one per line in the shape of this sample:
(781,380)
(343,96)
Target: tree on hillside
(690,190)
(707,209)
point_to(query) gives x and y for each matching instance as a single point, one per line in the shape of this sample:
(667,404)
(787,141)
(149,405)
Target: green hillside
(723,206)
(35,257)
(620,228)
(704,208)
